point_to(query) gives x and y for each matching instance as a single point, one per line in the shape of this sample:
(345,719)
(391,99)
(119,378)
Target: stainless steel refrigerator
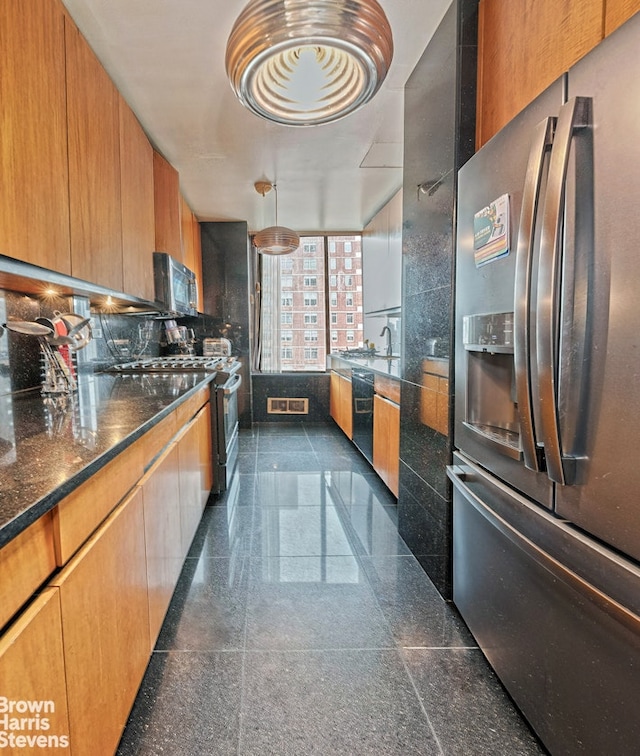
(547,413)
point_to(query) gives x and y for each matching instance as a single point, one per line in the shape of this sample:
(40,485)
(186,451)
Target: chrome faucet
(389,347)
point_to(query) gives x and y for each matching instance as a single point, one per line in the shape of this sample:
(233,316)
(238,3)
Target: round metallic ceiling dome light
(308,62)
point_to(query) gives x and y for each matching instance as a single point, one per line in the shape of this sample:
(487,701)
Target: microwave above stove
(175,285)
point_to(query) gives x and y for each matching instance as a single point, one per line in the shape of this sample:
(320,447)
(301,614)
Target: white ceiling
(167,59)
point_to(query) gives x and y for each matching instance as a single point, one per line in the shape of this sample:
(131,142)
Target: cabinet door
(525,46)
(190,483)
(163,537)
(375,255)
(105,627)
(617,12)
(32,670)
(346,409)
(205,448)
(334,396)
(167,203)
(34,203)
(94,166)
(386,441)
(138,219)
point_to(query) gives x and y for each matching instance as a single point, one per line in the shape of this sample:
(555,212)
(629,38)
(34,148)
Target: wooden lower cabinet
(25,563)
(386,441)
(191,504)
(32,671)
(105,628)
(340,403)
(163,534)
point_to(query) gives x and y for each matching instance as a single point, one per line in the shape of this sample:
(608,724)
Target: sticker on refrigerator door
(491,231)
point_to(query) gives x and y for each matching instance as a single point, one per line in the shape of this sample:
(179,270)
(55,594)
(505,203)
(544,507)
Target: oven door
(227,410)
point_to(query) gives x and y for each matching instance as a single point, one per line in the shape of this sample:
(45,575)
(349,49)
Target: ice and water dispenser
(491,404)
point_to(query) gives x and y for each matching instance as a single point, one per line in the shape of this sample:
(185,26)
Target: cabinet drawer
(25,563)
(387,387)
(80,513)
(155,440)
(190,407)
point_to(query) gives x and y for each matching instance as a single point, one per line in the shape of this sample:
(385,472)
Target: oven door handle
(232,385)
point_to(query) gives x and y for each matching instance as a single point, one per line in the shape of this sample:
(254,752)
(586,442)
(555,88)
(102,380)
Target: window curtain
(266,313)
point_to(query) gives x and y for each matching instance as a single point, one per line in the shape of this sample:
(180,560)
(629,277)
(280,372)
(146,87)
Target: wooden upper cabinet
(167,202)
(94,166)
(523,47)
(191,245)
(34,203)
(138,220)
(617,12)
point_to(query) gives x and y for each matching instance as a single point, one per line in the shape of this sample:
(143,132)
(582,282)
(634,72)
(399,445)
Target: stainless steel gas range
(224,403)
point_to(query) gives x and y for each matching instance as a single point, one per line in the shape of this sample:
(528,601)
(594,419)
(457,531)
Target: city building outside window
(333,308)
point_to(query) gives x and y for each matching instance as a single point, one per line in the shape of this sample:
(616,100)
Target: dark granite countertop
(389,367)
(49,446)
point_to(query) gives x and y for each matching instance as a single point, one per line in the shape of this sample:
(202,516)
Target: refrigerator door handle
(542,141)
(574,115)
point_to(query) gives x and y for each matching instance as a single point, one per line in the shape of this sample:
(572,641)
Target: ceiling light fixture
(308,62)
(275,240)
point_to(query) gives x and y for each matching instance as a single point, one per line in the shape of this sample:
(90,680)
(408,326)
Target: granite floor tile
(312,603)
(332,702)
(209,606)
(302,624)
(225,531)
(289,531)
(188,705)
(416,612)
(467,706)
(283,444)
(288,462)
(275,488)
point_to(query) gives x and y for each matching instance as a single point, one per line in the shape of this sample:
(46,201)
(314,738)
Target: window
(304,299)
(348,264)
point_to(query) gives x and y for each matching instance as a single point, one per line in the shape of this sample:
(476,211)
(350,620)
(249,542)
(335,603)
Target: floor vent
(278,405)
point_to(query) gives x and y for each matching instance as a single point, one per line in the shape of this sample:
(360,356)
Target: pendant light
(275,240)
(308,62)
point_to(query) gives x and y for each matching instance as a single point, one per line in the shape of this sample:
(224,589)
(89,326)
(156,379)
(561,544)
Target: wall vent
(280,405)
